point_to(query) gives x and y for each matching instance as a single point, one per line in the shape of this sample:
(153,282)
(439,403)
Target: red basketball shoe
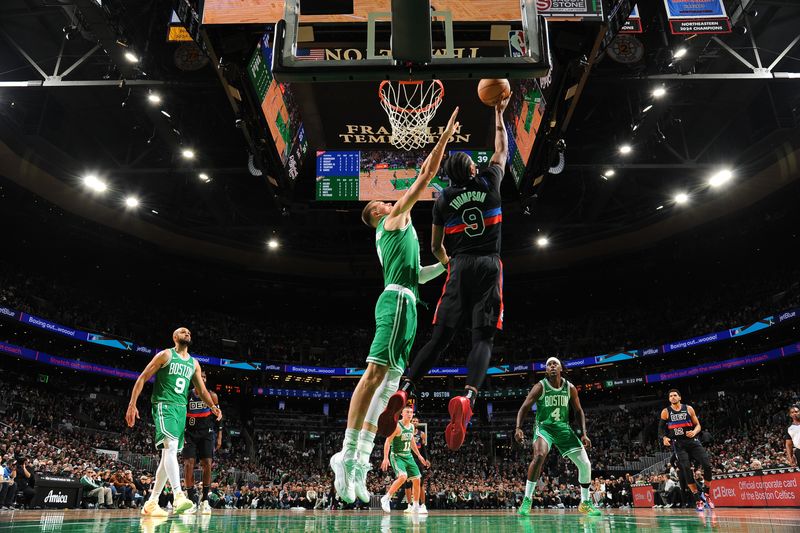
(460,413)
(387,421)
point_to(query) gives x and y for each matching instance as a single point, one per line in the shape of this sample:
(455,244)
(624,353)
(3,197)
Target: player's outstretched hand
(667,442)
(452,124)
(131,415)
(502,104)
(519,436)
(586,442)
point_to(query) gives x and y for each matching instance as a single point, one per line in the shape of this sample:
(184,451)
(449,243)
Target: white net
(410,106)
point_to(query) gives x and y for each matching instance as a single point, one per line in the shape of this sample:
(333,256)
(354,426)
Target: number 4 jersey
(471,215)
(173,380)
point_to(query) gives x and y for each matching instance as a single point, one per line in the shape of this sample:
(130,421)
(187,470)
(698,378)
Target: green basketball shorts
(170,422)
(404,465)
(560,435)
(395,329)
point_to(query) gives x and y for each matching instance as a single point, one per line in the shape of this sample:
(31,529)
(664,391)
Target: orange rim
(435,103)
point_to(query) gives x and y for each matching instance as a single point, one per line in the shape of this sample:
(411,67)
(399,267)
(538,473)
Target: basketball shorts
(472,292)
(690,449)
(404,465)
(199,443)
(395,329)
(559,435)
(170,422)
(424,473)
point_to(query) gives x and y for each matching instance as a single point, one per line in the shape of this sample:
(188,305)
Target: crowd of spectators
(585,333)
(49,430)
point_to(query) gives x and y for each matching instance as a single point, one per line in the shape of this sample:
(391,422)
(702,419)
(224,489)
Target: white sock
(584,494)
(169,456)
(530,486)
(366,442)
(349,443)
(160,482)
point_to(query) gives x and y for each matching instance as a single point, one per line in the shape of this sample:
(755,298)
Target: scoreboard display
(377,175)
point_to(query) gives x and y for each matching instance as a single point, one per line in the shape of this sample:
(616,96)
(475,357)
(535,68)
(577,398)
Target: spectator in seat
(93,488)
(8,488)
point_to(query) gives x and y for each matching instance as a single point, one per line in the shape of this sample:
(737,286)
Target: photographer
(25,480)
(8,486)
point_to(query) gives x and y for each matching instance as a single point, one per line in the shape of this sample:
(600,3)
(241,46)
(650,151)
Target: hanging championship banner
(697,16)
(634,22)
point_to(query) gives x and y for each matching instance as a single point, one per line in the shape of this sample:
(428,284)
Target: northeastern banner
(697,16)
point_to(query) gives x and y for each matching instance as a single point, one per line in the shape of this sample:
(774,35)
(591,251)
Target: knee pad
(378,403)
(581,460)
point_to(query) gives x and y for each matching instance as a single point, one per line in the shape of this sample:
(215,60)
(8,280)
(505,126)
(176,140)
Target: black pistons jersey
(472,215)
(198,414)
(679,422)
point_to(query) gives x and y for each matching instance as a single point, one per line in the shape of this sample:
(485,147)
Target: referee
(793,437)
(202,438)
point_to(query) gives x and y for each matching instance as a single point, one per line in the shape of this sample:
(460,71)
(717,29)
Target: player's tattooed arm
(579,414)
(692,433)
(160,359)
(533,395)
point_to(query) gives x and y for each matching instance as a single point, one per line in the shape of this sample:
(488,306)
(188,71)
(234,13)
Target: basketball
(492,91)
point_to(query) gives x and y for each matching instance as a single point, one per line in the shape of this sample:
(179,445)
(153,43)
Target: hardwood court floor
(228,521)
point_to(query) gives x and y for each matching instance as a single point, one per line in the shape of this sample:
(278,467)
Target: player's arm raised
(662,427)
(419,455)
(575,404)
(386,446)
(160,359)
(429,169)
(533,395)
(500,136)
(692,433)
(197,379)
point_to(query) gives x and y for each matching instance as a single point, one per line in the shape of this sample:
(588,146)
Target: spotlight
(130,56)
(679,53)
(658,92)
(648,108)
(659,208)
(131,202)
(204,177)
(681,198)
(166,114)
(625,149)
(541,242)
(94,183)
(187,153)
(154,98)
(272,244)
(721,177)
(608,173)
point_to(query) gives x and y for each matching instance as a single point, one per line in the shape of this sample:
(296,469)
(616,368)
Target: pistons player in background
(203,437)
(679,428)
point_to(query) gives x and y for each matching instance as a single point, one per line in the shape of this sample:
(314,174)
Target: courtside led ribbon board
(697,16)
(634,22)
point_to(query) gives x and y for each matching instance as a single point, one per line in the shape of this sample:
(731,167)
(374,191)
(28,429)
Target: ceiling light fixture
(625,149)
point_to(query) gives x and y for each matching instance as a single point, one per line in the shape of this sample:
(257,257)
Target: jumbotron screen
(377,175)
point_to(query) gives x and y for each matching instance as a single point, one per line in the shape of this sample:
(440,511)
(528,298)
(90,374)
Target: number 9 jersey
(169,399)
(471,214)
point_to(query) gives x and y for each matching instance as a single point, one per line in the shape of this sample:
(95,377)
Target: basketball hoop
(410,106)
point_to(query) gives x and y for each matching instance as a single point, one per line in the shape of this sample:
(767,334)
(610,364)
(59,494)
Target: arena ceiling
(72,104)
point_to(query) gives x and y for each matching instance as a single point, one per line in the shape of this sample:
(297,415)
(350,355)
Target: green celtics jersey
(398,252)
(553,405)
(173,380)
(401,444)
